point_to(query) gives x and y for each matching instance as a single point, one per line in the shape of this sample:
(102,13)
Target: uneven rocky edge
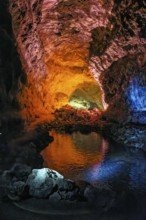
(22,182)
(129,135)
(22,178)
(59,40)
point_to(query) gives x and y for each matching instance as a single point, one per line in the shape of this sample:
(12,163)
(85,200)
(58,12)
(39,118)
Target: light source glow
(79,103)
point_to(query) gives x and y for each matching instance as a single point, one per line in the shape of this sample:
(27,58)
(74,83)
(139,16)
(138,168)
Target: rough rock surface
(46,183)
(14,181)
(19,146)
(130,135)
(119,181)
(126,93)
(42,182)
(22,182)
(59,41)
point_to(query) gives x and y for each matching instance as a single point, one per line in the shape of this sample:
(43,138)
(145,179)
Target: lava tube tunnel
(69,82)
(72,109)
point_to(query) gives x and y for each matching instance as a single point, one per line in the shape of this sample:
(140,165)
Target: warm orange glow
(32,102)
(67,68)
(65,152)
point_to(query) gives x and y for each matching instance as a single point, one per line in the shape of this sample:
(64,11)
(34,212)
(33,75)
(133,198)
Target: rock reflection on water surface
(123,168)
(91,158)
(72,154)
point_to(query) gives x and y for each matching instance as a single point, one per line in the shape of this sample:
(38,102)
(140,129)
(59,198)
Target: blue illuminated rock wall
(136,97)
(136,93)
(125,90)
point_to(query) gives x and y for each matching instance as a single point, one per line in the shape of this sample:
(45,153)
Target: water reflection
(90,157)
(125,168)
(73,154)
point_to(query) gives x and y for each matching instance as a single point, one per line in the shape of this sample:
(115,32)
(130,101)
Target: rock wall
(124,84)
(53,41)
(63,44)
(119,62)
(11,74)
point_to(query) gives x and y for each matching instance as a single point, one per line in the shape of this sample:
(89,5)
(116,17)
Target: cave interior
(73,97)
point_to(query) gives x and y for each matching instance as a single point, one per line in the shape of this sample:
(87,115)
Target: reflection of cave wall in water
(71,154)
(82,142)
(59,41)
(120,163)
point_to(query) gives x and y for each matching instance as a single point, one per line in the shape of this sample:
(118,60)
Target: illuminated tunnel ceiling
(85,49)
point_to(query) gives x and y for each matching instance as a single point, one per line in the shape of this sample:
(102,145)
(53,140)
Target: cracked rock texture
(64,44)
(22,181)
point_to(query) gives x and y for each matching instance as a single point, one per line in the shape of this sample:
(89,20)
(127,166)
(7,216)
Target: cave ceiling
(67,43)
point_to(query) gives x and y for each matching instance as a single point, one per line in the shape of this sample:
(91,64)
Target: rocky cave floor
(33,192)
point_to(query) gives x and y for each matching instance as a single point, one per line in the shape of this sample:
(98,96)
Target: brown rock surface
(64,44)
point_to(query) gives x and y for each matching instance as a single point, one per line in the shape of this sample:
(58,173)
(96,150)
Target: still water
(90,157)
(75,154)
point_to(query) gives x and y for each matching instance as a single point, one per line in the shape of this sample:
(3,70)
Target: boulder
(42,182)
(14,181)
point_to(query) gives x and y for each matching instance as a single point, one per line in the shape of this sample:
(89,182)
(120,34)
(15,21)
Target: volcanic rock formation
(64,44)
(87,54)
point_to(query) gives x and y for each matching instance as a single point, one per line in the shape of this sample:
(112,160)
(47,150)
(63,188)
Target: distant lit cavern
(72,109)
(66,47)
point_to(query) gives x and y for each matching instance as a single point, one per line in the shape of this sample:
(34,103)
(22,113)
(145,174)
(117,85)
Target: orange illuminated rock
(65,44)
(67,72)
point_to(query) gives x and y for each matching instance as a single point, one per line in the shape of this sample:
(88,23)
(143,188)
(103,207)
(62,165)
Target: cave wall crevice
(65,43)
